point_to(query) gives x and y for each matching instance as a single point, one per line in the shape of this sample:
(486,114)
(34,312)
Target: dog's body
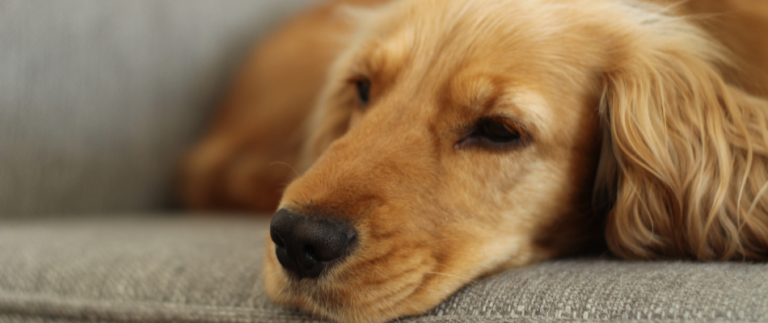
(432,142)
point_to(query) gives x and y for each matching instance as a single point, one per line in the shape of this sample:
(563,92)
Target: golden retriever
(430,142)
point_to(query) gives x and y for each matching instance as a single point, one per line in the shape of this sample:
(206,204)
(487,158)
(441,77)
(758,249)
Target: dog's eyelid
(510,122)
(357,77)
(476,134)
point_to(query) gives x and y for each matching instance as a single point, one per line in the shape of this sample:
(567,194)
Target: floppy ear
(684,164)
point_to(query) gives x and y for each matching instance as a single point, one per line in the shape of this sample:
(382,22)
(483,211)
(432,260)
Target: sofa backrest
(98,99)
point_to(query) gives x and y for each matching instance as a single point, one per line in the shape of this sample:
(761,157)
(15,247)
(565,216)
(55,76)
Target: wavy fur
(685,157)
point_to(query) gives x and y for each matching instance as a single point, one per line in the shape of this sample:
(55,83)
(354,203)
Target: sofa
(98,101)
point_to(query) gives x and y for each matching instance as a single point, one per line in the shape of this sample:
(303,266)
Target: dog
(411,146)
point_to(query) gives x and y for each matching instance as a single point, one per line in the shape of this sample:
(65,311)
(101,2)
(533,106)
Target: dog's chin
(405,282)
(345,296)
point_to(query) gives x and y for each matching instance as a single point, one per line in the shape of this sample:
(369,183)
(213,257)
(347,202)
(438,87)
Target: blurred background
(99,99)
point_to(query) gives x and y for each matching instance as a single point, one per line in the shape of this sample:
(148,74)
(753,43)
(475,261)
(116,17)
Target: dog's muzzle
(306,245)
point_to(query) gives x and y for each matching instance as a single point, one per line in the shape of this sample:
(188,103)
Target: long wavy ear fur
(684,163)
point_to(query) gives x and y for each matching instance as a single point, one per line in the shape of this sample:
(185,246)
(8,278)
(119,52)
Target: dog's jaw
(341,297)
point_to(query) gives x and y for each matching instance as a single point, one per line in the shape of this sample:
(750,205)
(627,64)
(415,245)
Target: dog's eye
(363,90)
(496,131)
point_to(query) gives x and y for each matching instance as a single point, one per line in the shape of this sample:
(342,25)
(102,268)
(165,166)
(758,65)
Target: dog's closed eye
(494,132)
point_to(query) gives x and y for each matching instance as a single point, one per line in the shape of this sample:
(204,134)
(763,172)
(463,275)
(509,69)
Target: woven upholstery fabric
(192,269)
(99,99)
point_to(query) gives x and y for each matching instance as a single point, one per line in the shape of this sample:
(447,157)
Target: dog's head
(459,138)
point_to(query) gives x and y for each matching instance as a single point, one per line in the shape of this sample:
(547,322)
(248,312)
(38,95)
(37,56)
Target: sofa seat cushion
(208,269)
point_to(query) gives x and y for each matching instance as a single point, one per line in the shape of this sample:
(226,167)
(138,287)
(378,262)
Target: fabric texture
(190,269)
(99,99)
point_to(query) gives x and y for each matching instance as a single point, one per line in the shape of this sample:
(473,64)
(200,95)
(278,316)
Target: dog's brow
(478,93)
(389,54)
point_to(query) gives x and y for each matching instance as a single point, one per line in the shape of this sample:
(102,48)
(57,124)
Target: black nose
(306,245)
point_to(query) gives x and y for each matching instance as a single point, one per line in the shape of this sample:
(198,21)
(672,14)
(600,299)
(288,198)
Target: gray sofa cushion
(98,99)
(174,269)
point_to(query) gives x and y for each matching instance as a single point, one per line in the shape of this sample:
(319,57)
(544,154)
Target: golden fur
(638,129)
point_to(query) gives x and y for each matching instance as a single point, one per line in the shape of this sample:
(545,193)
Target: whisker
(286,164)
(392,308)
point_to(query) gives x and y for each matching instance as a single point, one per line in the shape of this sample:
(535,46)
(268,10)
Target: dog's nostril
(306,245)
